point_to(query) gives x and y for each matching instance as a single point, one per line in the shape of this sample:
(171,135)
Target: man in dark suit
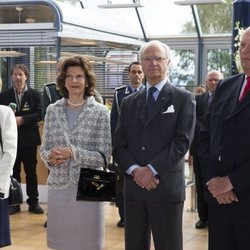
(225,159)
(135,76)
(28,113)
(154,131)
(202,103)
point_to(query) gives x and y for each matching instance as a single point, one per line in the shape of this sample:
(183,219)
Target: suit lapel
(239,106)
(141,106)
(162,101)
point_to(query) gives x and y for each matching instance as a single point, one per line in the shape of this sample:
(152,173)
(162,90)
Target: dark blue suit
(120,93)
(161,139)
(224,151)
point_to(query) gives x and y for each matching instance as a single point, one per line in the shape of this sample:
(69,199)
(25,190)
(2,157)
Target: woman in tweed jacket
(76,129)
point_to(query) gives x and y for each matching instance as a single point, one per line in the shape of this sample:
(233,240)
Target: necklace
(75,105)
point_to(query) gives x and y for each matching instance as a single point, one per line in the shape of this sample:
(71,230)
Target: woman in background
(8,147)
(76,129)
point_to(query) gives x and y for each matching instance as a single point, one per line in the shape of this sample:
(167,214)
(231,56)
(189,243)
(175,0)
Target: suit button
(143,148)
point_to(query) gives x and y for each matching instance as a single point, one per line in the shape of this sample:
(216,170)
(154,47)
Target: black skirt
(4,223)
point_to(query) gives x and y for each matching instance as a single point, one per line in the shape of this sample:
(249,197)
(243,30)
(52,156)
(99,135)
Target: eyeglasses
(77,77)
(213,80)
(149,59)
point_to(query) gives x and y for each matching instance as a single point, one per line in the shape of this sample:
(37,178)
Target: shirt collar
(159,85)
(25,89)
(139,88)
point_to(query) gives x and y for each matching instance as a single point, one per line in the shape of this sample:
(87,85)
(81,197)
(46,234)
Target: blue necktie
(151,99)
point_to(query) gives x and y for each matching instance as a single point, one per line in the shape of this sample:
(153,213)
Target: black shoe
(14,210)
(45,224)
(36,209)
(120,223)
(201,224)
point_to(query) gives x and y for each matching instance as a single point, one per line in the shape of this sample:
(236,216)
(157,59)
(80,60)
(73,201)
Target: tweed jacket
(8,156)
(89,136)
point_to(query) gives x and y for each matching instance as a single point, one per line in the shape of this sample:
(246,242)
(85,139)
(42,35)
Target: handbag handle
(104,159)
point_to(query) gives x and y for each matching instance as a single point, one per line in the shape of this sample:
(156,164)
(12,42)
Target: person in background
(8,148)
(28,113)
(135,76)
(200,89)
(51,91)
(202,104)
(76,130)
(154,131)
(225,159)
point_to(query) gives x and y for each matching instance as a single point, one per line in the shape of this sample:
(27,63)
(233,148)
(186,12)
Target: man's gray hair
(155,43)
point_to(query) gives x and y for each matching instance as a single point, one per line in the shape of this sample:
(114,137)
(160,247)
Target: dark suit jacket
(201,112)
(120,93)
(225,141)
(31,111)
(50,95)
(160,139)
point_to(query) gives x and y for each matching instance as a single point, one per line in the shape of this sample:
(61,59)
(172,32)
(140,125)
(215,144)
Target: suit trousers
(202,206)
(27,155)
(4,223)
(164,220)
(229,226)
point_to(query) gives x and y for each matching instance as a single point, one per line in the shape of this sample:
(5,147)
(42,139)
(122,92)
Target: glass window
(219,59)
(26,14)
(182,72)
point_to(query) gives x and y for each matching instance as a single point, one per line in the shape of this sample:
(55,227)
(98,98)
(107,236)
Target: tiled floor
(28,232)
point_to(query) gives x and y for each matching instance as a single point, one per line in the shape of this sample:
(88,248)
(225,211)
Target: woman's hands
(58,156)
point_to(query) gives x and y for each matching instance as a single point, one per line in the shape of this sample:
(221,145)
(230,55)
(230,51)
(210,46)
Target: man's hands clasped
(143,177)
(222,190)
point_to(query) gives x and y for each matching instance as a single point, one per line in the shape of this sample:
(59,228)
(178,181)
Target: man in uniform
(136,76)
(50,91)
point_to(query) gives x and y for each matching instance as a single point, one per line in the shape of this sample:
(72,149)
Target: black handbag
(97,185)
(15,194)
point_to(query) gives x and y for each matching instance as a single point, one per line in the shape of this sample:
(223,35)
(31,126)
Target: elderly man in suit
(202,103)
(154,131)
(225,159)
(28,113)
